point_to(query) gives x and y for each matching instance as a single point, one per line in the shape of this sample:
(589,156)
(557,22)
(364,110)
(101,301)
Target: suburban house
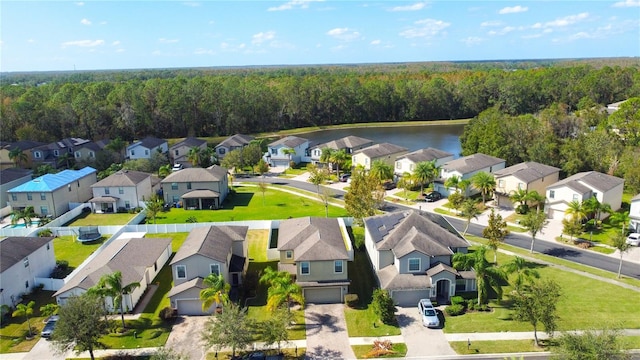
(278,151)
(464,168)
(529,176)
(137,259)
(385,152)
(634,214)
(22,260)
(123,190)
(580,187)
(233,142)
(407,163)
(57,154)
(220,250)
(412,253)
(349,144)
(25,161)
(144,148)
(196,188)
(52,194)
(316,251)
(179,153)
(11,178)
(87,153)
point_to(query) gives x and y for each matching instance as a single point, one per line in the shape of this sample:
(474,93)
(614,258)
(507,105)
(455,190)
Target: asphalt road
(576,255)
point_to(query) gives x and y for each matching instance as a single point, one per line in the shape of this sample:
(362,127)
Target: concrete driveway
(421,341)
(327,336)
(185,336)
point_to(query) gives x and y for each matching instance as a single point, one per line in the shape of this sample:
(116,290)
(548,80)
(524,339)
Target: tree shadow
(315,322)
(561,252)
(237,199)
(404,320)
(320,352)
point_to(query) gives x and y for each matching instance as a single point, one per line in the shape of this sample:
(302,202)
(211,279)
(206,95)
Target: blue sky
(91,35)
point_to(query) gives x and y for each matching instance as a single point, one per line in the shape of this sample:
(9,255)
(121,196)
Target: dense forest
(216,102)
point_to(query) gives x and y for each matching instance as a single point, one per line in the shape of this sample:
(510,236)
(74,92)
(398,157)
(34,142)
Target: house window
(414,265)
(520,186)
(133,152)
(127,204)
(146,152)
(181,271)
(37,154)
(595,195)
(48,246)
(120,190)
(26,262)
(107,191)
(188,186)
(501,183)
(44,210)
(552,194)
(176,152)
(575,197)
(366,161)
(289,254)
(214,269)
(398,165)
(221,151)
(26,284)
(174,186)
(92,154)
(304,268)
(56,153)
(77,154)
(43,196)
(29,196)
(14,197)
(69,187)
(176,198)
(274,151)
(461,285)
(337,266)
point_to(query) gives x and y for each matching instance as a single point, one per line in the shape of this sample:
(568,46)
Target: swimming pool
(21,225)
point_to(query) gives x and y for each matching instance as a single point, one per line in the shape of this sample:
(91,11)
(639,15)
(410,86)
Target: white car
(428,313)
(633,239)
(177,167)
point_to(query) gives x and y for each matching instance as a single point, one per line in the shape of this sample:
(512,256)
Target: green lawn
(75,252)
(248,203)
(91,219)
(495,347)
(289,354)
(13,331)
(399,350)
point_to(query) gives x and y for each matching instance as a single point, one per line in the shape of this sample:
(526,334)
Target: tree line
(130,105)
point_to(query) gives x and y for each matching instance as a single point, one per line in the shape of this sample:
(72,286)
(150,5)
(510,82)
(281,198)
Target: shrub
(45,233)
(86,209)
(454,310)
(191,220)
(522,209)
(351,300)
(120,356)
(167,314)
(471,304)
(383,306)
(455,300)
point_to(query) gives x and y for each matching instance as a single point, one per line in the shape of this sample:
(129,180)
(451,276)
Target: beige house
(51,194)
(407,163)
(349,144)
(529,176)
(234,142)
(25,146)
(464,168)
(88,152)
(385,152)
(580,187)
(123,190)
(137,259)
(220,250)
(178,153)
(412,253)
(57,154)
(196,188)
(316,251)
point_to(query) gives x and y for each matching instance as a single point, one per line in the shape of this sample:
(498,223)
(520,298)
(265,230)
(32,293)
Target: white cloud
(531,36)
(115,43)
(83,43)
(505,30)
(191,4)
(202,51)
(85,22)
(80,3)
(627,3)
(375,42)
(31,41)
(294,4)
(563,21)
(344,34)
(167,41)
(412,7)
(513,9)
(120,50)
(225,46)
(425,28)
(472,40)
(261,37)
(491,23)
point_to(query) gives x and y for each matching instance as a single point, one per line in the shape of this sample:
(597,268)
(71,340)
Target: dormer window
(288,254)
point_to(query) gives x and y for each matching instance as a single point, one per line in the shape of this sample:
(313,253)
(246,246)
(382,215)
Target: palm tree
(620,243)
(102,293)
(26,311)
(452,182)
(113,282)
(282,289)
(519,267)
(340,158)
(622,219)
(17,156)
(536,198)
(217,291)
(464,185)
(289,152)
(326,156)
(381,170)
(484,182)
(534,223)
(118,146)
(488,277)
(520,196)
(164,170)
(469,211)
(194,156)
(405,182)
(66,159)
(424,173)
(49,309)
(576,210)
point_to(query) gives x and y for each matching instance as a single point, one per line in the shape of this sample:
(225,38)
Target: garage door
(409,297)
(190,307)
(323,295)
(556,214)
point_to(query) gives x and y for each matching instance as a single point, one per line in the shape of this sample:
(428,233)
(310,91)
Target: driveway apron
(421,341)
(185,336)
(327,336)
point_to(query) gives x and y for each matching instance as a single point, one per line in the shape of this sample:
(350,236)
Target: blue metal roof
(51,182)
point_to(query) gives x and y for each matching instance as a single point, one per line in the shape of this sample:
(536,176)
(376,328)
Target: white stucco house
(634,214)
(22,259)
(407,163)
(277,151)
(349,144)
(385,152)
(144,148)
(580,187)
(464,168)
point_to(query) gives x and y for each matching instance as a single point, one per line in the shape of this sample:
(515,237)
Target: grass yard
(248,203)
(496,347)
(91,219)
(289,354)
(399,350)
(14,331)
(258,240)
(75,252)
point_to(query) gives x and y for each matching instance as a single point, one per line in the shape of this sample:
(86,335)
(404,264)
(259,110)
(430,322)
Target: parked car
(633,239)
(177,166)
(428,313)
(344,177)
(389,185)
(49,327)
(433,196)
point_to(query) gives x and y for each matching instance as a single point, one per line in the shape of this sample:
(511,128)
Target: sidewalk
(525,335)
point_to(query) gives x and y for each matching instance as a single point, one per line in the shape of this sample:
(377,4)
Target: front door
(442,291)
(234,279)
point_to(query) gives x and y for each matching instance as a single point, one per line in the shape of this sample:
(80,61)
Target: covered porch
(201,200)
(104,204)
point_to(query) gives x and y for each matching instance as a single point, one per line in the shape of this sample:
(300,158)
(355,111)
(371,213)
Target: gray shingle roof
(427,154)
(527,171)
(594,179)
(236,140)
(14,249)
(123,178)
(350,142)
(213,173)
(390,279)
(9,175)
(312,238)
(197,283)
(471,163)
(150,142)
(214,242)
(190,142)
(22,145)
(379,150)
(289,141)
